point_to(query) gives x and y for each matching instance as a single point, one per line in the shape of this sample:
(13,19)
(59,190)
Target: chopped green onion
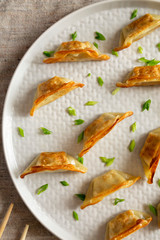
(89,74)
(42,189)
(100,81)
(78,121)
(132,145)
(100,36)
(81,196)
(133,127)
(80,137)
(115,53)
(48,54)
(107,161)
(75,215)
(158,182)
(80,159)
(74,35)
(90,103)
(134,14)
(115,91)
(146,105)
(95,44)
(71,111)
(153,209)
(158,46)
(117,200)
(152,62)
(21,132)
(140,50)
(64,183)
(45,131)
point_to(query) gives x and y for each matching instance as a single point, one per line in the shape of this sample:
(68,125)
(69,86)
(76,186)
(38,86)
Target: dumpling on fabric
(52,89)
(100,127)
(142,76)
(75,51)
(137,30)
(150,154)
(106,184)
(54,162)
(126,223)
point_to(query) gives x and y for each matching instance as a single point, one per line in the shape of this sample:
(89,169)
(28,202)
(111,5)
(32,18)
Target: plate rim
(58,231)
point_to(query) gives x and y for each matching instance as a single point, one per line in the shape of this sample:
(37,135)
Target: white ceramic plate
(54,207)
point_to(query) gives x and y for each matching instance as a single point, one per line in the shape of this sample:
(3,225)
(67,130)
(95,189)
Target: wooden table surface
(21,23)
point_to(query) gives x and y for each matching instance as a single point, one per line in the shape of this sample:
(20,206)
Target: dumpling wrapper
(106,184)
(52,89)
(54,162)
(75,51)
(142,76)
(158,214)
(100,127)
(150,154)
(126,223)
(137,30)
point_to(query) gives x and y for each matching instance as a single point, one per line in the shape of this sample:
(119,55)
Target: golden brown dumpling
(158,214)
(126,223)
(150,154)
(52,89)
(100,127)
(54,161)
(106,184)
(142,76)
(75,51)
(137,30)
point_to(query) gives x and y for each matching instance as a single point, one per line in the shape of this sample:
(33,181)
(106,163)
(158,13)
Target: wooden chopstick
(24,234)
(5,219)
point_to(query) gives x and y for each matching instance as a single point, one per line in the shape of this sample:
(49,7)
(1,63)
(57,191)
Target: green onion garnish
(80,137)
(80,159)
(132,145)
(95,44)
(158,182)
(89,74)
(78,121)
(140,50)
(153,209)
(133,127)
(115,91)
(158,46)
(100,81)
(152,62)
(74,35)
(107,161)
(71,111)
(81,196)
(42,189)
(75,215)
(48,54)
(21,132)
(45,131)
(100,36)
(90,103)
(64,183)
(134,14)
(115,53)
(146,105)
(117,200)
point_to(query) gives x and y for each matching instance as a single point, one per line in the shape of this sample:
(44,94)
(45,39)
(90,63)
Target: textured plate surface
(54,207)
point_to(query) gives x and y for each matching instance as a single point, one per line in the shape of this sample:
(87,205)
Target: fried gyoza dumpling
(54,161)
(100,127)
(158,214)
(150,154)
(137,30)
(75,51)
(106,184)
(142,76)
(52,89)
(126,223)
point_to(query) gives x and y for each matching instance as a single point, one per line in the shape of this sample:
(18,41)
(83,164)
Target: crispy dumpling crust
(53,161)
(137,30)
(150,154)
(100,127)
(51,90)
(106,184)
(126,223)
(76,51)
(142,76)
